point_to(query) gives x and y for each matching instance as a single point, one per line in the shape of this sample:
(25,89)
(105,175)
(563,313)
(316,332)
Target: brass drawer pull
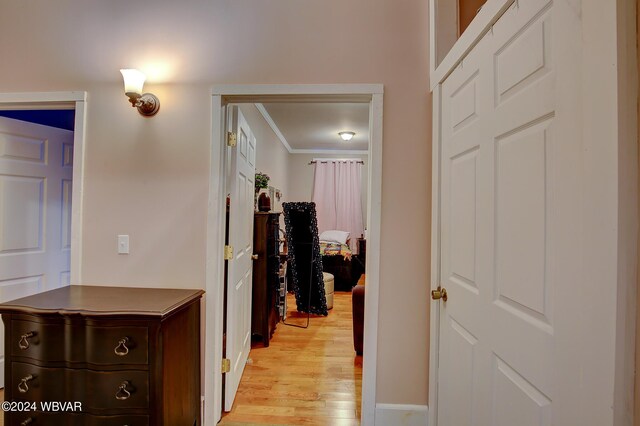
(122,349)
(22,386)
(27,421)
(123,393)
(24,340)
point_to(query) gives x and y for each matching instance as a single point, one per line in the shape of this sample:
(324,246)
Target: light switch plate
(123,244)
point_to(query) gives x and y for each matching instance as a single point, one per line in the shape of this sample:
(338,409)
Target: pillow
(335,236)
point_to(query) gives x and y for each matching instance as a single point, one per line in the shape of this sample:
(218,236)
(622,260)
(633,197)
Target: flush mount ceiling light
(347,136)
(146,103)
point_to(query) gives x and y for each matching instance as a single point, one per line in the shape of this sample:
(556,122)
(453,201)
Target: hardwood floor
(306,376)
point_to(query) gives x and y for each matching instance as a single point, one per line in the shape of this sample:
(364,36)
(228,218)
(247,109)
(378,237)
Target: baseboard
(402,415)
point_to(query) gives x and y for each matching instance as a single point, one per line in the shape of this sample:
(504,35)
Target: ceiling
(314,127)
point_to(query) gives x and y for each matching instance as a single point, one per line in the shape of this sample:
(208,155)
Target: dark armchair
(357,303)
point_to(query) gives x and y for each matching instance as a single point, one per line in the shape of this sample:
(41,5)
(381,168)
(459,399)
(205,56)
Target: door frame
(597,124)
(63,100)
(223,95)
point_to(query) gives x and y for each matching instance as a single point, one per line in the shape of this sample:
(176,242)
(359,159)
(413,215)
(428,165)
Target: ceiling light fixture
(347,136)
(146,103)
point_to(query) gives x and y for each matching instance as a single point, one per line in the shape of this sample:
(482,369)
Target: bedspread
(330,248)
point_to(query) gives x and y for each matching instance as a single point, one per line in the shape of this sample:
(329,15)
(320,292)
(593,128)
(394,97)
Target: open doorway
(371,97)
(290,362)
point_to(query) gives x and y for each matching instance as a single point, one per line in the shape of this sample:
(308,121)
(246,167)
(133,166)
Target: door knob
(439,293)
(254,256)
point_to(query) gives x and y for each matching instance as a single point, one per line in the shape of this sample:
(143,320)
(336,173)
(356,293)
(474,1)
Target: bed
(339,260)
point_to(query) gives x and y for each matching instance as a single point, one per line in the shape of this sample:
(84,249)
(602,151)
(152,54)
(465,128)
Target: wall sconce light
(347,136)
(147,103)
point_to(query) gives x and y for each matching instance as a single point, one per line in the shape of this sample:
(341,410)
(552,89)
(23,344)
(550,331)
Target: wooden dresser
(266,275)
(130,356)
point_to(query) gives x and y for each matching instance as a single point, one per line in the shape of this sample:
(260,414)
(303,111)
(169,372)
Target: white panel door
(498,173)
(36,164)
(239,282)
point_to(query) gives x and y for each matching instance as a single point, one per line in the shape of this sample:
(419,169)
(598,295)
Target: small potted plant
(262,182)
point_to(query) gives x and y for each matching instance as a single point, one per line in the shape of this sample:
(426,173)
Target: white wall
(301,185)
(148,177)
(272,157)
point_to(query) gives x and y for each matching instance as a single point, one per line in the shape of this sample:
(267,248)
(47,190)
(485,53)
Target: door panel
(463,218)
(516,401)
(496,329)
(462,359)
(22,209)
(521,251)
(239,284)
(36,165)
(461,349)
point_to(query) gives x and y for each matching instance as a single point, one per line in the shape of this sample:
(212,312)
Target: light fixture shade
(347,136)
(133,81)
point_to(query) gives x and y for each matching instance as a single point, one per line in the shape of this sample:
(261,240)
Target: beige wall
(301,173)
(148,177)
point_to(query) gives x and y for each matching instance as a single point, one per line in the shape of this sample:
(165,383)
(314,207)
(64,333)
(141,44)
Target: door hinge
(226,365)
(228,252)
(232,139)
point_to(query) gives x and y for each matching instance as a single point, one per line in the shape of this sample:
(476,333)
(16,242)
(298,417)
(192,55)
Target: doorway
(276,351)
(222,97)
(62,100)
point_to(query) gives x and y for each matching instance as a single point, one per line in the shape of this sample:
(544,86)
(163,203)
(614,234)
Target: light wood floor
(306,376)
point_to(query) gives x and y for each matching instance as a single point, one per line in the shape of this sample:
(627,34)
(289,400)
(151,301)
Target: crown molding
(274,127)
(285,143)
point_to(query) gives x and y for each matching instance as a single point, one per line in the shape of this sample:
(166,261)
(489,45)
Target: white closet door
(499,170)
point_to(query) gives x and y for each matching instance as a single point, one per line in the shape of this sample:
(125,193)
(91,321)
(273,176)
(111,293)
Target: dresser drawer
(117,345)
(75,343)
(57,419)
(100,390)
(37,340)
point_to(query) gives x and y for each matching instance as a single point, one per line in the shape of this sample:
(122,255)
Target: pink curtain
(337,194)
(324,195)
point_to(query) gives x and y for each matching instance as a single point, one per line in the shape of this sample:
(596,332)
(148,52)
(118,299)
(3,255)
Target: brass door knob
(254,256)
(439,293)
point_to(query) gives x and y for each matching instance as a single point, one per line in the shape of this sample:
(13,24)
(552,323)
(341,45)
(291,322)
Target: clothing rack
(314,161)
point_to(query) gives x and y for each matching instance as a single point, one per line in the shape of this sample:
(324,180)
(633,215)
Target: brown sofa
(357,303)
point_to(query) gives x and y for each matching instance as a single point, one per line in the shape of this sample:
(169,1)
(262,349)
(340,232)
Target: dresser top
(103,301)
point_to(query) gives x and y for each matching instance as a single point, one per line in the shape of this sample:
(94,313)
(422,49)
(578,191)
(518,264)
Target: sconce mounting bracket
(148,104)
